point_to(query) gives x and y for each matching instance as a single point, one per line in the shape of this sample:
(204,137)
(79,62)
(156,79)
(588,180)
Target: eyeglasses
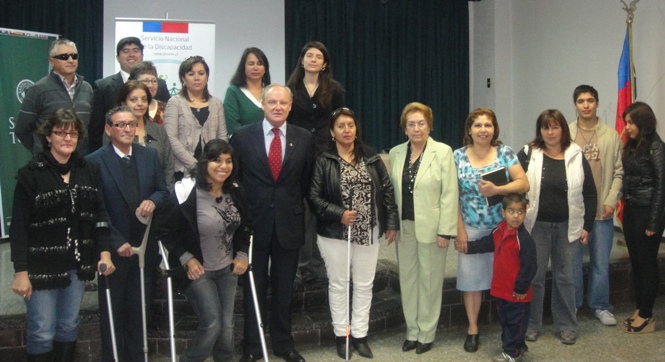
(65,56)
(342,110)
(123,125)
(148,81)
(419,124)
(64,134)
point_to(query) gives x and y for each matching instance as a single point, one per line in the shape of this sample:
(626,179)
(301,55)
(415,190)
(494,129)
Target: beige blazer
(184,130)
(435,194)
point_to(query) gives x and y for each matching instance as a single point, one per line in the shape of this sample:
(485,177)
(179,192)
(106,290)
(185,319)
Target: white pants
(363,268)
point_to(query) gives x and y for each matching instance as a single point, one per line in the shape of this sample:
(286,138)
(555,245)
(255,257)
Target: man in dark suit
(133,184)
(275,161)
(129,51)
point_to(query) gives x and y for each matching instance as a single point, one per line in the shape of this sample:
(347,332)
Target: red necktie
(275,155)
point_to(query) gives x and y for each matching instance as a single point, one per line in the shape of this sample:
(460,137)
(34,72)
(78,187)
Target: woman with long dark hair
(59,237)
(206,230)
(242,103)
(644,213)
(351,188)
(315,93)
(193,117)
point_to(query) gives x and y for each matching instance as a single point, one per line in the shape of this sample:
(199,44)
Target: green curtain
(78,20)
(388,53)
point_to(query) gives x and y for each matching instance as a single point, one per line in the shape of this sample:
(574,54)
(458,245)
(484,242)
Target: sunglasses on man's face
(65,56)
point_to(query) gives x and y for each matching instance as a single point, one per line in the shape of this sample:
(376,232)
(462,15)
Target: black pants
(279,276)
(125,285)
(514,319)
(643,252)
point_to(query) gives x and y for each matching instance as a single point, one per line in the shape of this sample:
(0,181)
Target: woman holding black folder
(482,158)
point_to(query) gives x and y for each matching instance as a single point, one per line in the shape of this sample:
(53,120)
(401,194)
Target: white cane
(169,286)
(140,251)
(256,301)
(348,280)
(110,307)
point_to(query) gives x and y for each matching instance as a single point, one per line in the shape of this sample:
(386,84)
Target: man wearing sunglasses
(129,51)
(61,88)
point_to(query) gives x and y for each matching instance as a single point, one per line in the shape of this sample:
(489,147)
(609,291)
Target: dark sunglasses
(65,56)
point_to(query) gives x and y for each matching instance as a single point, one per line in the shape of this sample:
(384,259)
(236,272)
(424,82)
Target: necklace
(311,88)
(587,142)
(413,168)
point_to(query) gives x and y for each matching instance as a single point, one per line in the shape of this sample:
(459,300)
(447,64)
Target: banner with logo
(23,61)
(167,43)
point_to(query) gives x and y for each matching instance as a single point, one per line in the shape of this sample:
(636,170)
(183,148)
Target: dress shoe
(250,357)
(423,347)
(409,345)
(290,356)
(471,343)
(341,347)
(360,344)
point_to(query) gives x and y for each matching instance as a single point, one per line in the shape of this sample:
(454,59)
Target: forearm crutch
(169,287)
(348,281)
(256,301)
(140,251)
(110,308)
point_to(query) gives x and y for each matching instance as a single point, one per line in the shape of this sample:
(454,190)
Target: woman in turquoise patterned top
(482,153)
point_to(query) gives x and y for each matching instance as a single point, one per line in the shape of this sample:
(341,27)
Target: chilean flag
(624,99)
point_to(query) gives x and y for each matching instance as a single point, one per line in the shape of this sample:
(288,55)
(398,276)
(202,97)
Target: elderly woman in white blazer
(425,182)
(193,117)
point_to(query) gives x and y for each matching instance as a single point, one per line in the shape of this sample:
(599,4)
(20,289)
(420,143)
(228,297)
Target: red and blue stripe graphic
(625,97)
(165,27)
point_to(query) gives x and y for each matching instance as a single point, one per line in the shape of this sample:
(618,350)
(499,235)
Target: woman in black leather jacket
(350,187)
(643,216)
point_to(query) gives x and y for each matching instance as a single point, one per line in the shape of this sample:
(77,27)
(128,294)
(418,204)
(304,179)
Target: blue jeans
(601,240)
(212,297)
(53,315)
(551,239)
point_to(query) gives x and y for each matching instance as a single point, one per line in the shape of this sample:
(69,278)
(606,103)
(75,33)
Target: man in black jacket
(274,159)
(129,51)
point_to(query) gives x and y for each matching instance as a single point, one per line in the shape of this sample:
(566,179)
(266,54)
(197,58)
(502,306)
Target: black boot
(360,344)
(64,351)
(44,357)
(341,347)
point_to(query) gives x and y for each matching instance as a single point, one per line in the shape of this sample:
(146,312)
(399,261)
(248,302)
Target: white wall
(543,49)
(239,24)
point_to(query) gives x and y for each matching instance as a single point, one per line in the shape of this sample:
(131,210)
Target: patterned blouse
(357,178)
(472,204)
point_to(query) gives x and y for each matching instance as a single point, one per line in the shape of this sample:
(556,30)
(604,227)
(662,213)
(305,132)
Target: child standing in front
(514,268)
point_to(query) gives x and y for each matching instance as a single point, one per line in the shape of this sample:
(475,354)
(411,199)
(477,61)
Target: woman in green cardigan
(242,104)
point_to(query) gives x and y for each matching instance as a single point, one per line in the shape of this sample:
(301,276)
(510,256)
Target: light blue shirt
(268,135)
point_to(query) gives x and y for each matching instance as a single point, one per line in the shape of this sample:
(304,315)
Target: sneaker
(503,357)
(567,337)
(531,335)
(606,317)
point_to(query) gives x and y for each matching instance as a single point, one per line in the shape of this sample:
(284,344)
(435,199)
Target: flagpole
(630,15)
